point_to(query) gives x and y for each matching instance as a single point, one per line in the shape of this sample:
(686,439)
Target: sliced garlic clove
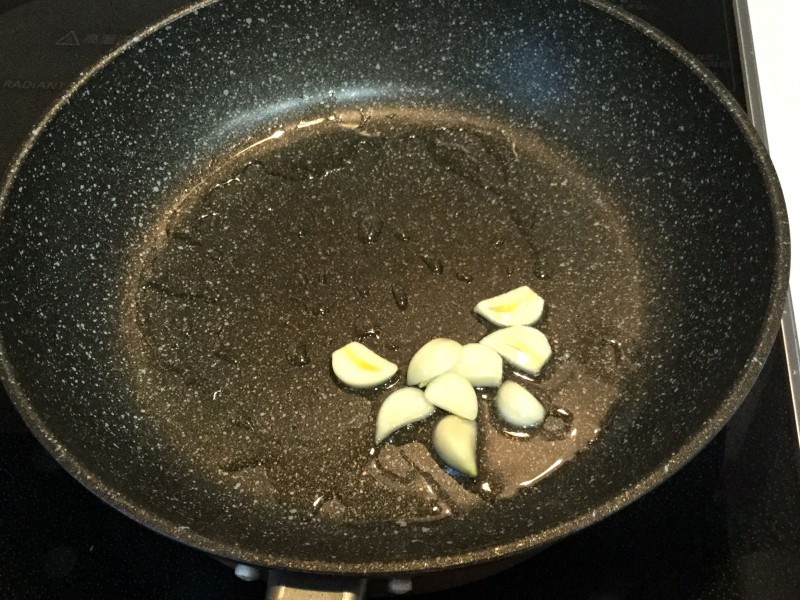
(518,407)
(480,365)
(455,441)
(434,358)
(401,407)
(523,347)
(359,367)
(520,306)
(453,393)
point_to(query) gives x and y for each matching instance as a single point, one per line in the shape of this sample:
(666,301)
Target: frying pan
(244,187)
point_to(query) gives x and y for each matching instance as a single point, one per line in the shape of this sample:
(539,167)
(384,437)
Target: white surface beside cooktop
(776,37)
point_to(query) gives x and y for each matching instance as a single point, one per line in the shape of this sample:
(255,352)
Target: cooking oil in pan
(388,233)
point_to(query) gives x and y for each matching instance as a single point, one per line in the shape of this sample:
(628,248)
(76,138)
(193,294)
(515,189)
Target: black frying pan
(208,214)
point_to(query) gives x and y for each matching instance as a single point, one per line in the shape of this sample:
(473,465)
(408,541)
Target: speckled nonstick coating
(622,180)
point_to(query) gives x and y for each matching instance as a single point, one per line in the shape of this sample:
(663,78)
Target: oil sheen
(386,230)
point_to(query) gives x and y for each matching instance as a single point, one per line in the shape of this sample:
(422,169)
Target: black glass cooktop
(726,526)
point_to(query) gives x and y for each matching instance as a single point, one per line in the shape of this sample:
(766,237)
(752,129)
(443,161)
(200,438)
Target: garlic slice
(455,441)
(524,347)
(359,367)
(453,393)
(480,365)
(518,407)
(520,306)
(401,407)
(434,358)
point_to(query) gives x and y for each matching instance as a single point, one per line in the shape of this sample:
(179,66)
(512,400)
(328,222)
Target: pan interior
(387,228)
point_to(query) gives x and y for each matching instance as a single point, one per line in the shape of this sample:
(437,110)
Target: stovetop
(726,526)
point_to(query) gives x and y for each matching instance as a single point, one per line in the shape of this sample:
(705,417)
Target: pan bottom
(385,228)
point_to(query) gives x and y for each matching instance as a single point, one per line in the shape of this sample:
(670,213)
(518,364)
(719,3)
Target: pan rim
(733,398)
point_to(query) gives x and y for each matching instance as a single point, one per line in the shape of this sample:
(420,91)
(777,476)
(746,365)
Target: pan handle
(289,585)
